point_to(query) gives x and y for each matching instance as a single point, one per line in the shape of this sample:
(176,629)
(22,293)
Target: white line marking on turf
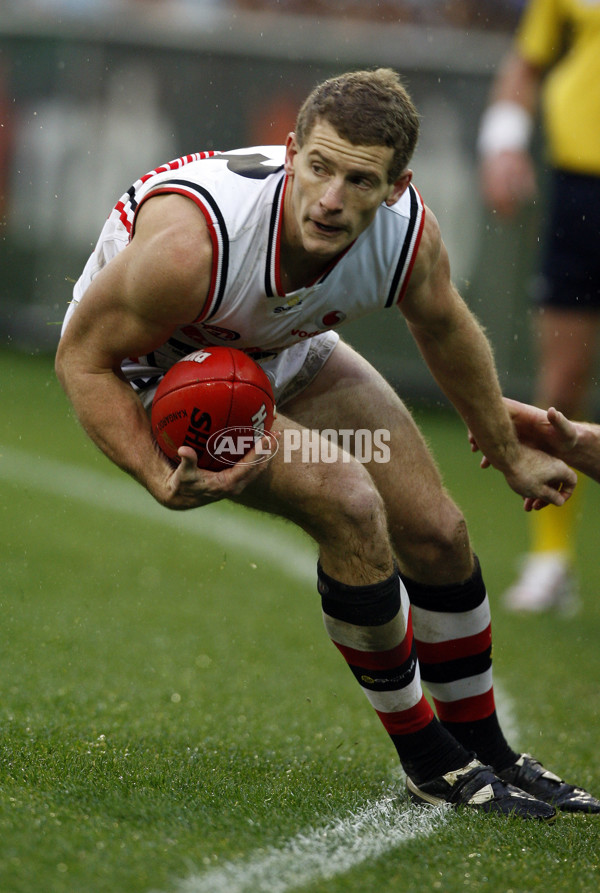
(222,523)
(505,708)
(321,853)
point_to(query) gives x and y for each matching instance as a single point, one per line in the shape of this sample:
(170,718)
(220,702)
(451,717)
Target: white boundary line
(320,854)
(317,853)
(266,537)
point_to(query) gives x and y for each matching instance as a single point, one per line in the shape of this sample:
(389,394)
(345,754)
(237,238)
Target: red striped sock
(453,638)
(371,627)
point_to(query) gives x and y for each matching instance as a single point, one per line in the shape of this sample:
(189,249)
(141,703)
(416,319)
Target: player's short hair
(367,108)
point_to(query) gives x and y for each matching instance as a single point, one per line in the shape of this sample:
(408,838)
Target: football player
(274,248)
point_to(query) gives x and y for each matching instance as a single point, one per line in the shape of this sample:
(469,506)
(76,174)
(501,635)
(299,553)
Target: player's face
(336,189)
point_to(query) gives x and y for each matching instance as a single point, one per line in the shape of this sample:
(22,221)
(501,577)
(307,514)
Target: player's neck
(298,268)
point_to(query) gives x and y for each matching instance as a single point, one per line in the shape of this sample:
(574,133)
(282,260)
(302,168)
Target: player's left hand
(549,431)
(539,478)
(190,486)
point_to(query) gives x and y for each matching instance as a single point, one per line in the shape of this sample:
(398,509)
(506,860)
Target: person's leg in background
(567,325)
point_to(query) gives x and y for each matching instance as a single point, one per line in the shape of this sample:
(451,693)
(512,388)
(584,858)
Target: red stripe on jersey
(120,207)
(169,189)
(124,204)
(404,722)
(453,649)
(176,164)
(466,709)
(414,251)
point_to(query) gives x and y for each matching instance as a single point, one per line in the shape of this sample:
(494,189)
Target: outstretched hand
(547,430)
(550,431)
(540,479)
(542,434)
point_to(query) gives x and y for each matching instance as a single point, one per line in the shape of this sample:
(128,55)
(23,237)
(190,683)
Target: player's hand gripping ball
(217,401)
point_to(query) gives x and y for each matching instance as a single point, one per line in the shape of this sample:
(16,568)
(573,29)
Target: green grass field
(174,718)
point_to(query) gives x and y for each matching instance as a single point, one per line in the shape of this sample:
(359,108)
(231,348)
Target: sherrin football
(216,400)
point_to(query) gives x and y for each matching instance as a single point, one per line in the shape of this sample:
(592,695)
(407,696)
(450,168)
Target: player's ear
(398,187)
(291,150)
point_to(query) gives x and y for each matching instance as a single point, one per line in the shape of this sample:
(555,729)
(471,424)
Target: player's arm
(507,172)
(577,443)
(460,358)
(157,283)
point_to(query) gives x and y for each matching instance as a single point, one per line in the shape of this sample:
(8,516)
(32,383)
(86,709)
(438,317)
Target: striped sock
(371,627)
(453,638)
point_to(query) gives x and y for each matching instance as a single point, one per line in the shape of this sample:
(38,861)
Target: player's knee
(362,507)
(353,506)
(452,536)
(439,549)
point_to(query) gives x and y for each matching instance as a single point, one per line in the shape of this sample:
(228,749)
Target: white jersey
(241,195)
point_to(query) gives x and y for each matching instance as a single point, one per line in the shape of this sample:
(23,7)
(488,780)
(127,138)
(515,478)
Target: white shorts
(290,372)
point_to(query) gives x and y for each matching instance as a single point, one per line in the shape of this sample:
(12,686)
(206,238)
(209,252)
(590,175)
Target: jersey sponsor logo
(333,318)
(221,333)
(197,334)
(301,333)
(292,304)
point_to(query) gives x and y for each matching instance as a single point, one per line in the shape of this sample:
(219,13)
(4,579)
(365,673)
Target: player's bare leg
(568,349)
(426,527)
(336,503)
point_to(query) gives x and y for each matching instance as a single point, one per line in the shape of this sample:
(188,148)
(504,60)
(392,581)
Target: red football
(215,400)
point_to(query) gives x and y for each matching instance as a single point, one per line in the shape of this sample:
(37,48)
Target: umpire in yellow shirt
(554,67)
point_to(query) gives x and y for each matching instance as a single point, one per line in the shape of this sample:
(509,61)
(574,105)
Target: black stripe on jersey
(461,668)
(387,680)
(414,207)
(141,384)
(132,202)
(207,197)
(269,291)
(179,347)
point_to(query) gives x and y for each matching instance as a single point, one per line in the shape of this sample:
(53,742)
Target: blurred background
(93,93)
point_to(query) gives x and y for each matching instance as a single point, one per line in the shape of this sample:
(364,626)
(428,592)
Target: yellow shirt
(571,91)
